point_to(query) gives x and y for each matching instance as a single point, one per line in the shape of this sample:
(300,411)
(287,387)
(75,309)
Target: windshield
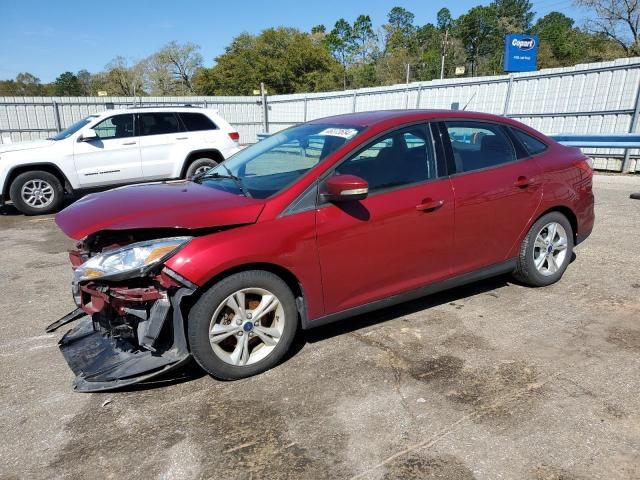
(267,167)
(66,133)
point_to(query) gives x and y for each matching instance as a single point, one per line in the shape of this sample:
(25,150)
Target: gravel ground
(489,381)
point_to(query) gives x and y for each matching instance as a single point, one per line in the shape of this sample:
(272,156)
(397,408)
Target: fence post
(56,116)
(265,108)
(355,100)
(507,99)
(626,163)
(418,96)
(305,108)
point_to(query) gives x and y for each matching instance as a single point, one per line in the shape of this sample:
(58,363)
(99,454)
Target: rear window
(194,122)
(158,123)
(531,144)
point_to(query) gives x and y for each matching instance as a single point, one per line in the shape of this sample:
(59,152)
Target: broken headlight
(129,261)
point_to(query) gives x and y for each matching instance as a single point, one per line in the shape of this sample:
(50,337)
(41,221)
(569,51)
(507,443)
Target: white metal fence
(596,98)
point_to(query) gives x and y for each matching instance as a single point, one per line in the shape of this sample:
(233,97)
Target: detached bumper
(103,361)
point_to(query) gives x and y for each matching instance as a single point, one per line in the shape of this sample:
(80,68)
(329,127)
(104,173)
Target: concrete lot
(489,381)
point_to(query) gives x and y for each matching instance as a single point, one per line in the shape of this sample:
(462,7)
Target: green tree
(67,85)
(444,19)
(363,38)
(86,82)
(285,59)
(340,43)
(476,30)
(399,29)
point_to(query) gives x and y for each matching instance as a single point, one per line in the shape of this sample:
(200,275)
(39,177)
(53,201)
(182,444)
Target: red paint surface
(348,254)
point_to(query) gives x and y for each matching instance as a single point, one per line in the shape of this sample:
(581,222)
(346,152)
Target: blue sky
(47,38)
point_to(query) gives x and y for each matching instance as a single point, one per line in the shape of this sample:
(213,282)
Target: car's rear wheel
(200,165)
(243,325)
(546,251)
(36,193)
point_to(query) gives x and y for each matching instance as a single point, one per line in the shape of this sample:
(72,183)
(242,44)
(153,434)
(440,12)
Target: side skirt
(483,273)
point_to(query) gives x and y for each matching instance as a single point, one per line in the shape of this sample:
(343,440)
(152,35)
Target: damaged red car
(317,223)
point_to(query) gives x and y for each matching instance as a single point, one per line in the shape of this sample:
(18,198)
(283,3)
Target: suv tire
(229,314)
(36,192)
(546,251)
(200,165)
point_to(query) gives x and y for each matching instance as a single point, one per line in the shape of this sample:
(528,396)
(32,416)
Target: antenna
(465,107)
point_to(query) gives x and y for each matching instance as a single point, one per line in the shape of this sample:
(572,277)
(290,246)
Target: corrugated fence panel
(591,98)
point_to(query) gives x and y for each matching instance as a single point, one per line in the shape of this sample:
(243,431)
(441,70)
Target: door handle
(523,182)
(429,205)
(182,138)
(129,143)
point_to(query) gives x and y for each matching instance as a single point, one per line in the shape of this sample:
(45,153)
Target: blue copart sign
(520,52)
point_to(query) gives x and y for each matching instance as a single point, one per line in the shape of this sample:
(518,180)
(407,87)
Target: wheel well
(289,278)
(43,167)
(193,156)
(567,212)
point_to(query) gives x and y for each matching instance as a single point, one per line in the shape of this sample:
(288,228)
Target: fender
(52,167)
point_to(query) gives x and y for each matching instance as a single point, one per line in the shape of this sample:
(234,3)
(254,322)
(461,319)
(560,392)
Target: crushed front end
(130,312)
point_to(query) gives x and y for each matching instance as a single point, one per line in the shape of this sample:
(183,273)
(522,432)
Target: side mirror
(88,135)
(345,188)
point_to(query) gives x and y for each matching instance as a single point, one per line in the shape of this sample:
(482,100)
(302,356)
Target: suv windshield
(267,167)
(66,133)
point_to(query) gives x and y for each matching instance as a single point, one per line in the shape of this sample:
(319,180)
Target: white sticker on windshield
(340,132)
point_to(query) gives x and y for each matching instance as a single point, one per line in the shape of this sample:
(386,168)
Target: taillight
(586,164)
(235,136)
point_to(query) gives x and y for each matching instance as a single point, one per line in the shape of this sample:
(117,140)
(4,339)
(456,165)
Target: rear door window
(158,123)
(195,122)
(479,145)
(531,144)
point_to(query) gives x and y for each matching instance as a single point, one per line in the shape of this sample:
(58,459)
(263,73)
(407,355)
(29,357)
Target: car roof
(367,119)
(174,108)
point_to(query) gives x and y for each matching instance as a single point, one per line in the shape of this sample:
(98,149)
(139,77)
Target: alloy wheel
(550,248)
(37,193)
(201,169)
(247,326)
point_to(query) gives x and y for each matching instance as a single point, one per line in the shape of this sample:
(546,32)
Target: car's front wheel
(546,251)
(243,325)
(36,193)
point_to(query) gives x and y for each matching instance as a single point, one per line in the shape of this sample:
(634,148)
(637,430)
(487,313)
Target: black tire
(526,271)
(198,164)
(200,317)
(40,208)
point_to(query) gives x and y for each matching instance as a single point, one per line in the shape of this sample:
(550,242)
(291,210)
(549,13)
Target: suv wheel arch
(43,166)
(197,154)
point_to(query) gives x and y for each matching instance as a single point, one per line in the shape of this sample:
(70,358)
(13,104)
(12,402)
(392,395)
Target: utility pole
(444,52)
(265,108)
(406,90)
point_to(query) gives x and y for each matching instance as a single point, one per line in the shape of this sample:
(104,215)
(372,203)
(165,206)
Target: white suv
(113,148)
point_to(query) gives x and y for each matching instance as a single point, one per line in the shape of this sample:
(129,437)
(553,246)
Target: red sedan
(317,223)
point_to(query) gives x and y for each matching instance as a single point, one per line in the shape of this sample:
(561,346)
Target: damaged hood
(180,204)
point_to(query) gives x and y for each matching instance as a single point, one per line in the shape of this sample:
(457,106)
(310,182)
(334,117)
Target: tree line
(358,54)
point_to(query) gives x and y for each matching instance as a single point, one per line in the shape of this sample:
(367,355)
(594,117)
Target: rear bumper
(103,360)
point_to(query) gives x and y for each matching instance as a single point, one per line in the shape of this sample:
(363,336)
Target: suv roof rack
(186,105)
